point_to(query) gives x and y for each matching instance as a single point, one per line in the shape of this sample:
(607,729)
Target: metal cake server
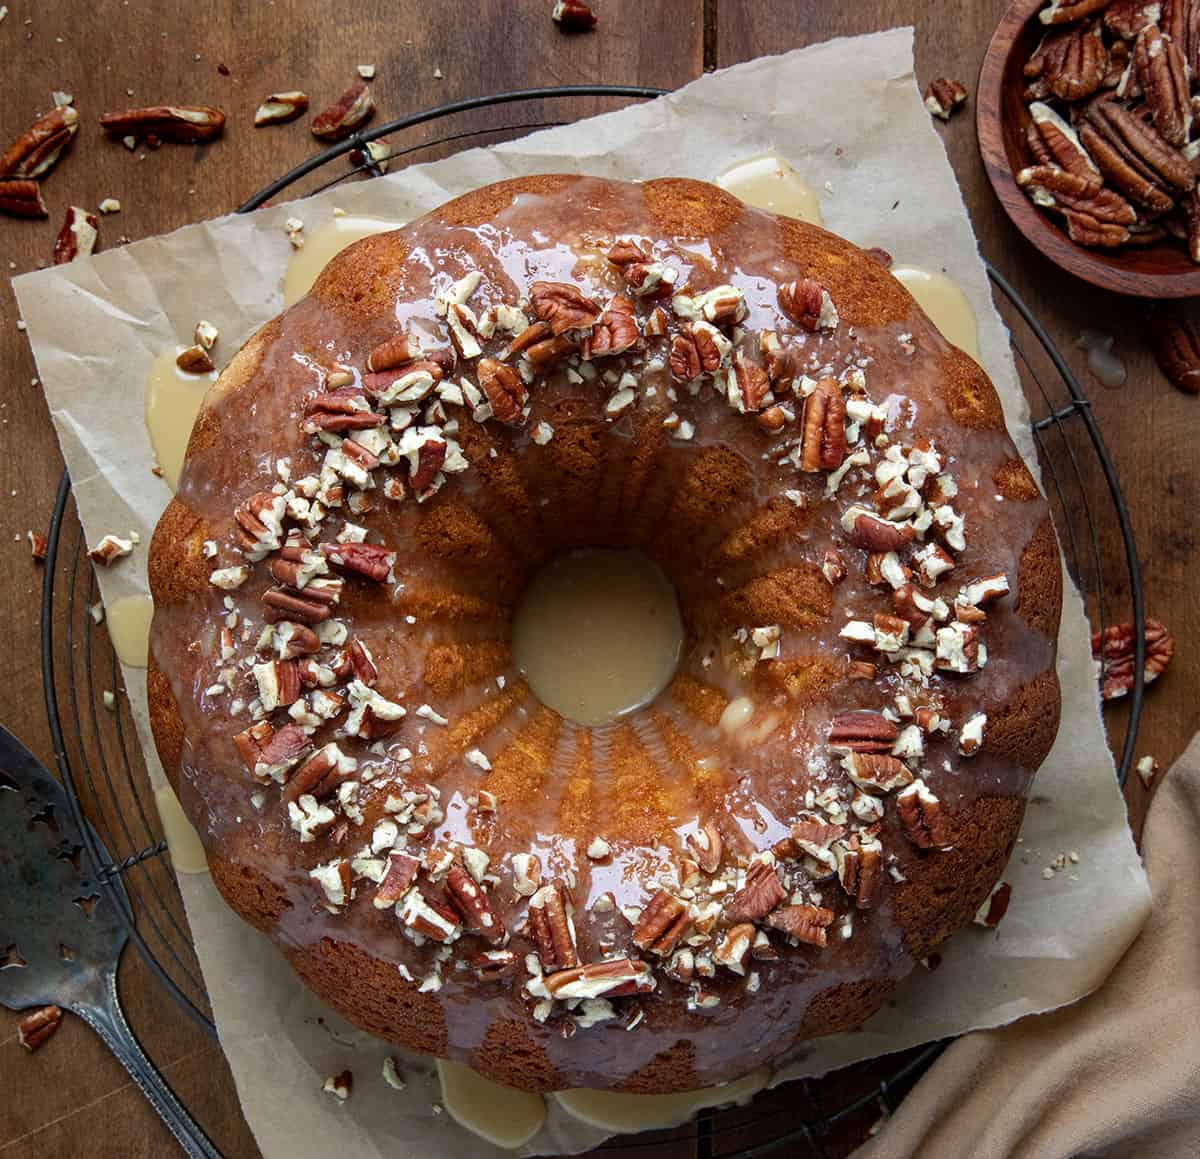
(60,935)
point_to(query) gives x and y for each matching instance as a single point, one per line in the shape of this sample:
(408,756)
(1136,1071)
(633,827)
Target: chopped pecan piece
(563,306)
(505,390)
(401,872)
(1113,654)
(321,774)
(922,816)
(734,948)
(573,15)
(22,198)
(542,355)
(862,731)
(876,772)
(662,924)
(684,358)
(813,835)
(805,923)
(269,753)
(35,1028)
(944,97)
(468,897)
(345,409)
(530,336)
(428,918)
(306,606)
(616,978)
(394,352)
(78,236)
(760,894)
(823,442)
(186,124)
(627,252)
(551,930)
(753,385)
(992,912)
(871,533)
(706,846)
(1066,11)
(492,965)
(615,331)
(353,108)
(372,560)
(35,152)
(431,456)
(804,302)
(860,868)
(1176,349)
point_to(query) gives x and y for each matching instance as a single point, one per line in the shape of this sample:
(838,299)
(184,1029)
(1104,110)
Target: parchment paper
(884,180)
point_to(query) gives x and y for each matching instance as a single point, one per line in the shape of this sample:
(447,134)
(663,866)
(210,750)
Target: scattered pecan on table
(1112,651)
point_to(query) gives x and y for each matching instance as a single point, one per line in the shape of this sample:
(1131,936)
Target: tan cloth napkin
(1115,1075)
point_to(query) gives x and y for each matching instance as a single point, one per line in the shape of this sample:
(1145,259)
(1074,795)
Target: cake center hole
(598,634)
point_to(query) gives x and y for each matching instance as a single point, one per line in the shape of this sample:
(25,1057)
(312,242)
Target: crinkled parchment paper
(884,180)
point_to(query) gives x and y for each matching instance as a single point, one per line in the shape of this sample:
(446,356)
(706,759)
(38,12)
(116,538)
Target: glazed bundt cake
(866,572)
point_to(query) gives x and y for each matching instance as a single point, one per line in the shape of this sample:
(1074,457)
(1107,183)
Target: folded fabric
(1114,1075)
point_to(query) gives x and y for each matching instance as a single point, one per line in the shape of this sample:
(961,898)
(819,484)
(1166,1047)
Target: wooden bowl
(1163,270)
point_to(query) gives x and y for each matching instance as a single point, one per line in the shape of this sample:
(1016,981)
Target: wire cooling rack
(101,763)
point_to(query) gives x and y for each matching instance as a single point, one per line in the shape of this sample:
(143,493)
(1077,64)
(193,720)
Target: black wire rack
(101,764)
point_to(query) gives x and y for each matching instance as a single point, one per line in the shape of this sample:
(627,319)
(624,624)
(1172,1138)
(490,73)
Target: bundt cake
(867,575)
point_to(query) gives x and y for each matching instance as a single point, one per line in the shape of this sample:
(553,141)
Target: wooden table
(72,1098)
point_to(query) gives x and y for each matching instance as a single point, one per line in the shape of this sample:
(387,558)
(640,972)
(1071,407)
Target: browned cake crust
(869,582)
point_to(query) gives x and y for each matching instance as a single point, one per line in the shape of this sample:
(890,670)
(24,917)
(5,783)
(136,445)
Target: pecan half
(663,922)
(468,897)
(1113,654)
(805,923)
(279,108)
(532,334)
(1162,71)
(823,439)
(353,109)
(77,238)
(401,872)
(1056,188)
(562,306)
(1176,349)
(803,301)
(616,978)
(308,607)
(22,198)
(860,869)
(505,390)
(268,752)
(542,355)
(615,331)
(1060,141)
(943,97)
(627,252)
(1076,64)
(760,894)
(862,731)
(186,124)
(922,816)
(37,150)
(684,359)
(551,930)
(36,1028)
(1133,155)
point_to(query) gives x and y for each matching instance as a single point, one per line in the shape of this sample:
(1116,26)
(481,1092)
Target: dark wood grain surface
(72,1098)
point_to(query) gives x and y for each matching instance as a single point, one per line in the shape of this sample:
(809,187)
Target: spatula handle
(106,1018)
